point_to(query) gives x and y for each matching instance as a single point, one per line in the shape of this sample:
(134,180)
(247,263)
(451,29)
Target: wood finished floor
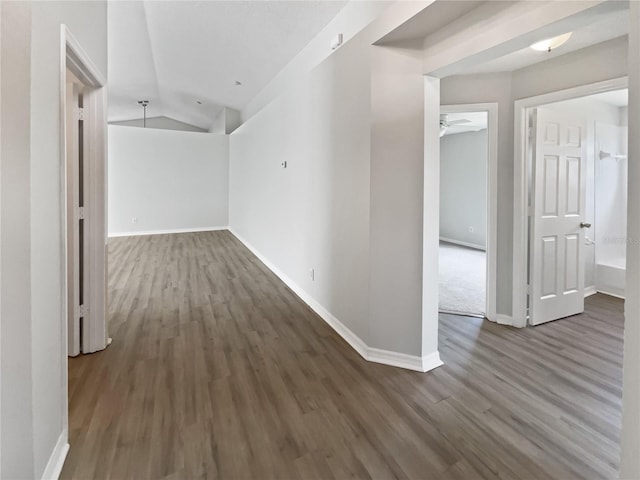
(217,370)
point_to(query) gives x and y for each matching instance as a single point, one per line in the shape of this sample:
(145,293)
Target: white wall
(611,208)
(611,193)
(16,417)
(33,345)
(167,180)
(349,203)
(354,17)
(314,213)
(164,123)
(397,320)
(463,187)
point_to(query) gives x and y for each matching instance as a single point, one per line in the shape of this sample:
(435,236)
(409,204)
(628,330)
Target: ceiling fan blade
(458,122)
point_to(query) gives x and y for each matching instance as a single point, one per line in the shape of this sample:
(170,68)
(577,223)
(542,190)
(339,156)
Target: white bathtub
(610,277)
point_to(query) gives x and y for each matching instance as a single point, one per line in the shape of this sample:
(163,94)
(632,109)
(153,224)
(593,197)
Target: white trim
(351,338)
(463,244)
(376,355)
(591,290)
(491,248)
(0,235)
(521,188)
(463,314)
(611,294)
(58,456)
(165,232)
(430,216)
(504,319)
(402,360)
(72,55)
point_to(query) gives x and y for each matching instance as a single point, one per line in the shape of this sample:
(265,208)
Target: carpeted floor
(462,279)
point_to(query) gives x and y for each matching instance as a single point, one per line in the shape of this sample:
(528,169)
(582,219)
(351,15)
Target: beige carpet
(462,279)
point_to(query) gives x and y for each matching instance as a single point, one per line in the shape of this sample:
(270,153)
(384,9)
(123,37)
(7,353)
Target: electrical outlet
(470,229)
(134,220)
(312,274)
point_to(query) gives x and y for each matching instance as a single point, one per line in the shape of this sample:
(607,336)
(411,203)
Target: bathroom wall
(602,129)
(611,207)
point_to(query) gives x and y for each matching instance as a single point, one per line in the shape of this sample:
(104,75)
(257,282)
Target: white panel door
(74,253)
(558,225)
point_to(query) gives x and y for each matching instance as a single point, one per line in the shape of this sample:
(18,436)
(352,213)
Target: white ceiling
(176,53)
(477,121)
(430,20)
(596,28)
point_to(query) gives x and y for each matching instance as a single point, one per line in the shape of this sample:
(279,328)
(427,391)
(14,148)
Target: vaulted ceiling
(187,57)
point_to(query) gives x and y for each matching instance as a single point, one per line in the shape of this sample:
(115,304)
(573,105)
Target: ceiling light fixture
(551,43)
(143,104)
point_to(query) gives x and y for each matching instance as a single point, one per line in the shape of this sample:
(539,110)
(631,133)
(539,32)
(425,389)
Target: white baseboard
(165,232)
(56,460)
(588,291)
(402,360)
(504,319)
(376,355)
(614,293)
(464,244)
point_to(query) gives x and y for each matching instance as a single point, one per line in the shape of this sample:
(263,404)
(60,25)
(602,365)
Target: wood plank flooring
(217,370)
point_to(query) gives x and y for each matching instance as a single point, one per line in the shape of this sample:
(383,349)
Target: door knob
(585,225)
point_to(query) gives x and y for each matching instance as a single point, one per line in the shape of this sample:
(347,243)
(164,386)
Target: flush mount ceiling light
(551,43)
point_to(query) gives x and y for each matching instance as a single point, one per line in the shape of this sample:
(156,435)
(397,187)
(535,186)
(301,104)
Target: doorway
(468,159)
(84,183)
(574,217)
(75,180)
(463,213)
(83,131)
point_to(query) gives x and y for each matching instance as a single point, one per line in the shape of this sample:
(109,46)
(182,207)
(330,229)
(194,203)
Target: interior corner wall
(463,188)
(167,180)
(396,211)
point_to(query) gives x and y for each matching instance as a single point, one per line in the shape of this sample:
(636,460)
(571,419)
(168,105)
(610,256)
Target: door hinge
(80,213)
(79,114)
(83,311)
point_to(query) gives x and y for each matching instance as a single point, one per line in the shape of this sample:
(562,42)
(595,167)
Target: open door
(75,217)
(556,273)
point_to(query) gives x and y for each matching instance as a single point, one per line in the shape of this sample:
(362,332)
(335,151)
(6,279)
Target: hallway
(217,370)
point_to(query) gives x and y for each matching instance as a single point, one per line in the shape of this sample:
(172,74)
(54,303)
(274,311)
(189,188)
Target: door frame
(521,184)
(492,197)
(75,58)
